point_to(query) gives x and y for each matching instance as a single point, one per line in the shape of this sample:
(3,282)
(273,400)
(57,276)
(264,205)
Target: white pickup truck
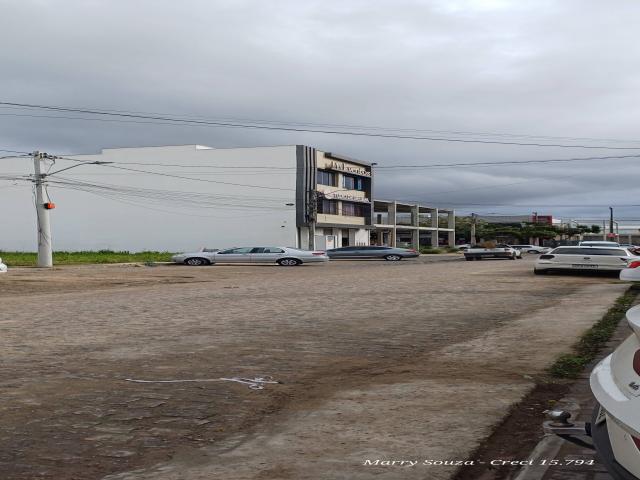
(478,252)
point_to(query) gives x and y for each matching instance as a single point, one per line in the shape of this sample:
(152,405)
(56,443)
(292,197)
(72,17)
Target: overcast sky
(542,68)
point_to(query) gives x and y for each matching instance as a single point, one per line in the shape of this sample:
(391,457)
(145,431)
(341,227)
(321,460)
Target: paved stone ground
(409,360)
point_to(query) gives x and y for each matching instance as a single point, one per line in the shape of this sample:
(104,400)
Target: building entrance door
(345,237)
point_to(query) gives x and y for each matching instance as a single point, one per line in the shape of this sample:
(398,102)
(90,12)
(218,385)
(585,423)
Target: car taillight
(634,264)
(547,257)
(636,362)
(317,253)
(412,250)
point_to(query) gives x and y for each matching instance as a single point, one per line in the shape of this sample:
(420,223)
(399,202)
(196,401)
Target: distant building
(507,219)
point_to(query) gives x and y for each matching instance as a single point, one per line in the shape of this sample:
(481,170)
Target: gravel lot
(392,361)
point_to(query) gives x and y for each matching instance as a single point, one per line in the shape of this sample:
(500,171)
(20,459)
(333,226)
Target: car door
(266,254)
(379,252)
(363,252)
(342,252)
(234,255)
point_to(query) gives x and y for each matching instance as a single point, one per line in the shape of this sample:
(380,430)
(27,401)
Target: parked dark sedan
(388,253)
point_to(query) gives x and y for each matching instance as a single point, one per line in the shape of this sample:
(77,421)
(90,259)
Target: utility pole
(44,204)
(45,252)
(312,215)
(474,220)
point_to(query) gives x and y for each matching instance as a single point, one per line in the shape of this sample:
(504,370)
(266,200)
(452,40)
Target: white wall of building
(84,221)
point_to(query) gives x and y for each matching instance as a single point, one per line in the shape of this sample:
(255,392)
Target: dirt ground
(414,361)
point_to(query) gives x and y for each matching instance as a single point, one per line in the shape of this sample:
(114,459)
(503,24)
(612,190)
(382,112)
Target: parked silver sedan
(372,251)
(284,256)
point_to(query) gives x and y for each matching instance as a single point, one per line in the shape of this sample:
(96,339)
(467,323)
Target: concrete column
(451,222)
(434,238)
(434,224)
(391,214)
(415,239)
(434,218)
(415,215)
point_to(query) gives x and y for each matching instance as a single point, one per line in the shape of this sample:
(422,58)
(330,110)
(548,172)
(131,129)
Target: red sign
(544,219)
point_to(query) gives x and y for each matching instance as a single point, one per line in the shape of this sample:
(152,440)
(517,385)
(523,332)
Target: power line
(14,151)
(255,125)
(392,167)
(128,202)
(351,125)
(259,168)
(186,178)
(532,205)
(506,162)
(189,194)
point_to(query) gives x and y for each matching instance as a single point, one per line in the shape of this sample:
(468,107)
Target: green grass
(432,250)
(75,258)
(586,349)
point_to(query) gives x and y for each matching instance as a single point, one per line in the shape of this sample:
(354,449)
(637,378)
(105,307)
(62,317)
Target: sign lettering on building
(349,169)
(345,196)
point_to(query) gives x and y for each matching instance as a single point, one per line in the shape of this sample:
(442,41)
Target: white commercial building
(292,195)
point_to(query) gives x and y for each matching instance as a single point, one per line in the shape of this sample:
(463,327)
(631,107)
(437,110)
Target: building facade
(292,195)
(398,224)
(334,200)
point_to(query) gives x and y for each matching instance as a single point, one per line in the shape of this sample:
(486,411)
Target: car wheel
(512,258)
(197,262)
(539,272)
(393,258)
(289,262)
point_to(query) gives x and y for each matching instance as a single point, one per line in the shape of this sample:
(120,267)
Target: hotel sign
(345,196)
(342,167)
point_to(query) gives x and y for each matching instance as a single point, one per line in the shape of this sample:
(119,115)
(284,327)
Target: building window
(352,209)
(326,178)
(328,207)
(352,183)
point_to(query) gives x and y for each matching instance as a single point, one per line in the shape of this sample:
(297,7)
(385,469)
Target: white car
(585,258)
(284,256)
(3,267)
(532,248)
(501,250)
(517,249)
(615,426)
(631,273)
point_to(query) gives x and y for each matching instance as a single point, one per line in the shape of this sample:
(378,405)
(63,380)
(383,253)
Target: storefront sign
(342,167)
(345,196)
